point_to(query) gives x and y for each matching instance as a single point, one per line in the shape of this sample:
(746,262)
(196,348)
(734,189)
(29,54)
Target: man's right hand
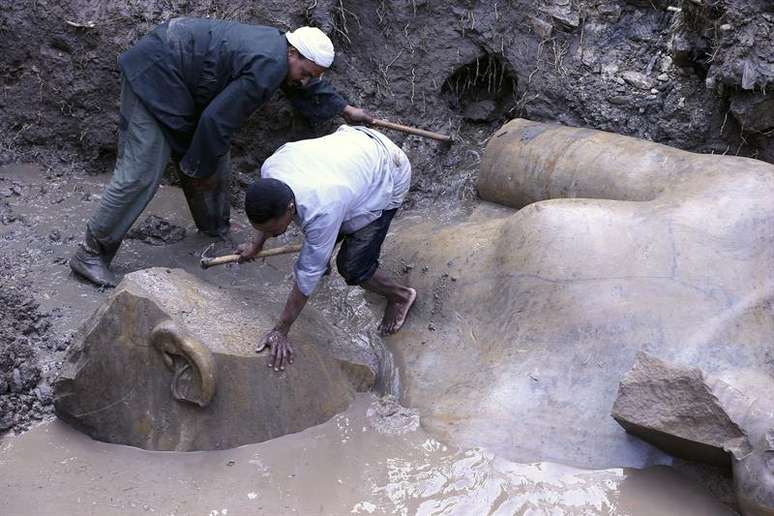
(248,250)
(281,350)
(355,115)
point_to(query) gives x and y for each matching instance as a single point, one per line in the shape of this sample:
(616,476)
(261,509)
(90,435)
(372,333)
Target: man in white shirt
(344,187)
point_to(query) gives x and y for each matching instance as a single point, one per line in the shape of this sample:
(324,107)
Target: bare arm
(277,337)
(319,241)
(293,306)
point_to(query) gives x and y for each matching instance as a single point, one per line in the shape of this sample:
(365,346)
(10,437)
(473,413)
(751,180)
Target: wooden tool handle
(412,130)
(206,263)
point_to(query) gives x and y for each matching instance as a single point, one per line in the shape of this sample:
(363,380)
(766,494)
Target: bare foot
(396,311)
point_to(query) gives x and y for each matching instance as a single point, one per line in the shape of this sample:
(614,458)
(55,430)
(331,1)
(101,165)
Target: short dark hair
(267,199)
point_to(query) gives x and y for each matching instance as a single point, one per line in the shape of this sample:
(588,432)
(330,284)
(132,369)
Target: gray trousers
(143,154)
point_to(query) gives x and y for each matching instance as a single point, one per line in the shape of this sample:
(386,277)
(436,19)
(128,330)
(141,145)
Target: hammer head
(203,258)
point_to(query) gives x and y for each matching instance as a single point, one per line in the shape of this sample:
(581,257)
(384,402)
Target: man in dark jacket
(186,88)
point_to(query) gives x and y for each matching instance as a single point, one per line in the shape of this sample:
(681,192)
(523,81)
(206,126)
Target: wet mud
(156,231)
(362,461)
(25,327)
(25,395)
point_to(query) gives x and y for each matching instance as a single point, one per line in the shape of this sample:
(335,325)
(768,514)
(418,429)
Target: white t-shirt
(341,182)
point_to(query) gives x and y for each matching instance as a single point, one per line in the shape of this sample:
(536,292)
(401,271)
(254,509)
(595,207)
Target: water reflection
(372,459)
(475,481)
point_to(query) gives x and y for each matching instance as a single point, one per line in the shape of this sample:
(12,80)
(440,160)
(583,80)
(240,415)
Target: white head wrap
(313,45)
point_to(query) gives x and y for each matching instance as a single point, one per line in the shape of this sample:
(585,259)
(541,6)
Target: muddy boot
(110,252)
(92,259)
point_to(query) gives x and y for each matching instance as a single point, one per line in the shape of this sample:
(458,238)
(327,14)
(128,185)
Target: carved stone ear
(190,361)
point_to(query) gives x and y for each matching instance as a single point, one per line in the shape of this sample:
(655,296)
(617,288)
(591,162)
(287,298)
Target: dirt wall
(694,79)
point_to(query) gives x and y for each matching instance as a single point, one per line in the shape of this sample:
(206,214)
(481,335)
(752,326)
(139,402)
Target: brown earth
(462,67)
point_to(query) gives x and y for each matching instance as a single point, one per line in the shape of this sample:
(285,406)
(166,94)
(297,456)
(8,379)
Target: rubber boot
(210,211)
(110,252)
(92,260)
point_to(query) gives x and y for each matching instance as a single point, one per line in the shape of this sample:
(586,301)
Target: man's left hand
(355,115)
(281,350)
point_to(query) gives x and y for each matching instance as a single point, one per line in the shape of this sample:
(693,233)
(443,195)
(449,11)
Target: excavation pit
(483,90)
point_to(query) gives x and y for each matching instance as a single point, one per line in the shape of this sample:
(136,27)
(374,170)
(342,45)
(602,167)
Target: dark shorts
(358,256)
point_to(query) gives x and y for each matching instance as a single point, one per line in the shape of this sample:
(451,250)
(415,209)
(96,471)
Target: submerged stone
(168,363)
(675,409)
(638,80)
(706,418)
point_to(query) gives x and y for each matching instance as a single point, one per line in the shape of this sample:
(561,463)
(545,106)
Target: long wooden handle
(412,130)
(206,263)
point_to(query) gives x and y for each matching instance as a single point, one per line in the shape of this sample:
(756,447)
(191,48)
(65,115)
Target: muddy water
(372,459)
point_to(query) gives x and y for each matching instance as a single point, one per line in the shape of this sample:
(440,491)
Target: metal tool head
(207,250)
(203,256)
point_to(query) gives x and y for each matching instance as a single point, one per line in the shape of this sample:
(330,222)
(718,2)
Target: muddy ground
(695,78)
(25,337)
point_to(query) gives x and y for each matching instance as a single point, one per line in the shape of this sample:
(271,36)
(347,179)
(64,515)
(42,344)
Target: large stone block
(726,419)
(526,321)
(168,363)
(676,409)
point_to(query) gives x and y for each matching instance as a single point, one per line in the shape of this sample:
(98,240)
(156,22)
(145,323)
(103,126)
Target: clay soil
(694,79)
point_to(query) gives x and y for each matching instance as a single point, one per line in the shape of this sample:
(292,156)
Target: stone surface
(610,12)
(562,12)
(746,396)
(618,246)
(638,80)
(676,410)
(702,417)
(541,27)
(168,363)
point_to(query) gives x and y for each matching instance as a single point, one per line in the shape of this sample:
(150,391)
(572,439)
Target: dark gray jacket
(201,79)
